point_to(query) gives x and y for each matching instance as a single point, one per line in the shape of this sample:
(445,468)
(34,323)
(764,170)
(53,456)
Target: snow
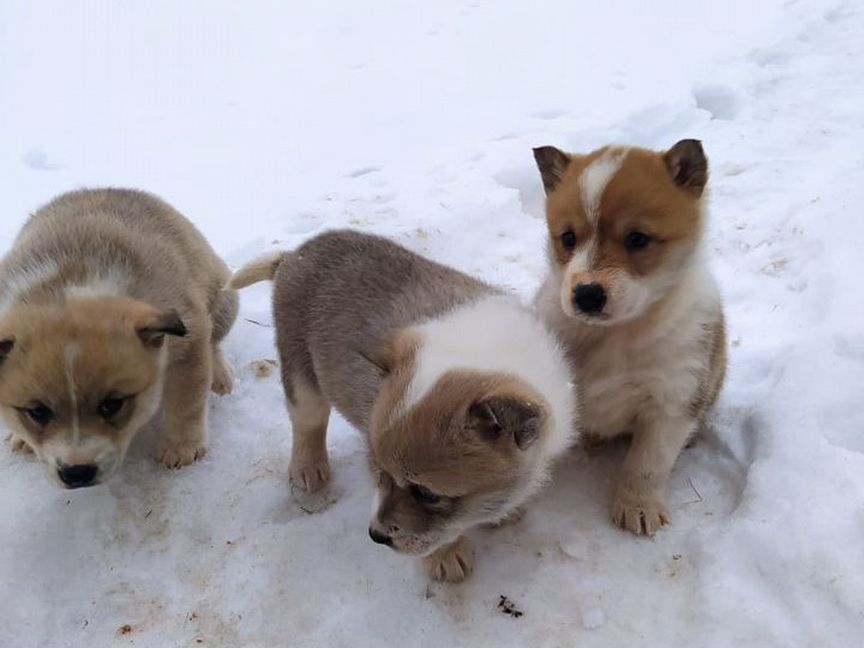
(268,122)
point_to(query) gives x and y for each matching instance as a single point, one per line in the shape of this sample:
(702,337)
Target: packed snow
(268,122)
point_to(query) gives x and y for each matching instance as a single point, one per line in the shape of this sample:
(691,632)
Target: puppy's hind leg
(310,412)
(224,313)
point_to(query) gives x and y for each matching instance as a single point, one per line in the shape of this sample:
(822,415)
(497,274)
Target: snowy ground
(268,122)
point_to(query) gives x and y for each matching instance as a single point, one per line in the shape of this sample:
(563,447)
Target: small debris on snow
(125,629)
(257,323)
(263,368)
(508,607)
(699,497)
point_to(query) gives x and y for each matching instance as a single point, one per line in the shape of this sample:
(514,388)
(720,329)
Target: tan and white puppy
(464,395)
(630,293)
(93,288)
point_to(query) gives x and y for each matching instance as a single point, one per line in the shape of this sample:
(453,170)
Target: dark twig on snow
(257,323)
(695,490)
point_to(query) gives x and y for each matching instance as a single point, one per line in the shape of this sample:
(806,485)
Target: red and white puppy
(630,294)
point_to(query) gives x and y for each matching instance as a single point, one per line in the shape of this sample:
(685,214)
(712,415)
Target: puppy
(463,394)
(630,294)
(110,304)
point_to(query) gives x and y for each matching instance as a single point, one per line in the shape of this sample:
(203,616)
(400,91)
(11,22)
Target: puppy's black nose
(589,298)
(77,476)
(380,538)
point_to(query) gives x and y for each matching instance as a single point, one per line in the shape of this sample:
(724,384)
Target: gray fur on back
(338,295)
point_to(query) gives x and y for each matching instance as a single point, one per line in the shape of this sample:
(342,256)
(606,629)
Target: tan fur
(653,361)
(87,276)
(310,412)
(643,180)
(262,269)
(104,332)
(428,446)
(452,563)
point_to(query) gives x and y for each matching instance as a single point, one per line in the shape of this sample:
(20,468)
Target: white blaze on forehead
(70,354)
(581,259)
(109,284)
(596,176)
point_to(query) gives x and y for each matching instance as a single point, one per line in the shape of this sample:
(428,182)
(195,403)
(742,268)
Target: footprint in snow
(38,159)
(363,171)
(722,102)
(548,114)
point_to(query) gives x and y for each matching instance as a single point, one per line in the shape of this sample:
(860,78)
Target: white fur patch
(595,177)
(70,354)
(498,335)
(108,284)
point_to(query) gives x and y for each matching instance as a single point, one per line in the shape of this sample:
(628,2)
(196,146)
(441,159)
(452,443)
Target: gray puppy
(464,395)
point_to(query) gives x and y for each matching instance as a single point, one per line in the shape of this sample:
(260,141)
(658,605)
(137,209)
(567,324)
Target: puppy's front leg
(452,563)
(187,384)
(640,500)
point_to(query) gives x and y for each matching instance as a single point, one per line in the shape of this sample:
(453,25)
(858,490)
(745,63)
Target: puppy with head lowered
(630,294)
(111,303)
(463,394)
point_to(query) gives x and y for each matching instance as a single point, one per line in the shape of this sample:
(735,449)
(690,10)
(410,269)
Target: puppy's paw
(639,512)
(513,517)
(451,564)
(178,454)
(309,473)
(17,444)
(223,379)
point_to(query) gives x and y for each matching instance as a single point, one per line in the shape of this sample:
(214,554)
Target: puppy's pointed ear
(153,332)
(688,166)
(552,163)
(497,416)
(6,346)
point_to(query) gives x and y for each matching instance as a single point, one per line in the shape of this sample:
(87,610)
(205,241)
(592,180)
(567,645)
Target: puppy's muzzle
(380,538)
(77,476)
(589,298)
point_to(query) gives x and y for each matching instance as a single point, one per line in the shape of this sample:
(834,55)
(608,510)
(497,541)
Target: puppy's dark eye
(636,241)
(40,414)
(568,240)
(423,494)
(110,407)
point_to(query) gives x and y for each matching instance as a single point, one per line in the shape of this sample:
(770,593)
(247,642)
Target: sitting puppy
(630,294)
(93,285)
(463,394)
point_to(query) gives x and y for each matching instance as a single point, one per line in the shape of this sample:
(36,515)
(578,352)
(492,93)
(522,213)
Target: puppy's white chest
(621,380)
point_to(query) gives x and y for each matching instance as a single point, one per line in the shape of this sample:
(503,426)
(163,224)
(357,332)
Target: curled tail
(261,269)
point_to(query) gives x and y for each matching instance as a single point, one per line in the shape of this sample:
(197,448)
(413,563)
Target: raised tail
(261,269)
